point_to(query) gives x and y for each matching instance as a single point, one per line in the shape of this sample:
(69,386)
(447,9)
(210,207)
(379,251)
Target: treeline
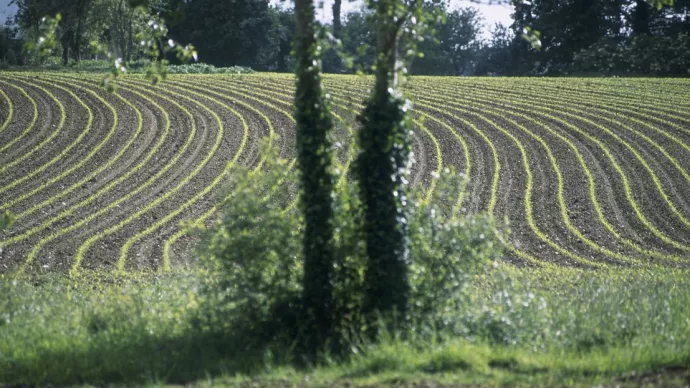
(605,37)
(613,37)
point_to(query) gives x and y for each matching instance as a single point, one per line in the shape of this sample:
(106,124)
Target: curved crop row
(10,116)
(589,173)
(71,169)
(439,96)
(42,144)
(625,179)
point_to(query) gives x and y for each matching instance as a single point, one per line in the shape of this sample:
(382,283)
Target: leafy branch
(47,37)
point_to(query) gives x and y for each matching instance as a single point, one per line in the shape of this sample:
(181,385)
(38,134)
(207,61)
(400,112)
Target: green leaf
(6,220)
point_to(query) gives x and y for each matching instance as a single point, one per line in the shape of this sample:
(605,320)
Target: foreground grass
(519,327)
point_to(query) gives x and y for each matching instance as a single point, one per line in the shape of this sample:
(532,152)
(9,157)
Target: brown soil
(490,106)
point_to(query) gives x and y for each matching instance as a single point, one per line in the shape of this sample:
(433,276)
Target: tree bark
(76,44)
(67,42)
(641,17)
(130,39)
(337,23)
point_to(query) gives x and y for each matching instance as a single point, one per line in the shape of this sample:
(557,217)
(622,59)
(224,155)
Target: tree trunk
(314,155)
(67,41)
(76,44)
(382,168)
(337,23)
(130,38)
(641,17)
(65,55)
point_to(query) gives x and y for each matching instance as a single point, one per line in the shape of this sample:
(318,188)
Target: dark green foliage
(11,47)
(359,39)
(456,44)
(337,22)
(314,158)
(568,28)
(73,25)
(254,257)
(255,263)
(332,62)
(496,57)
(447,251)
(228,33)
(382,169)
(640,17)
(254,33)
(641,55)
(284,29)
(6,220)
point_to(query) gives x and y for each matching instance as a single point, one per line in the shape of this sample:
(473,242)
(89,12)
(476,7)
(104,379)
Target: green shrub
(254,257)
(639,55)
(447,251)
(203,68)
(253,254)
(134,67)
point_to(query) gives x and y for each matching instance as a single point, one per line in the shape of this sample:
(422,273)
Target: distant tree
(284,30)
(11,46)
(73,26)
(5,43)
(566,27)
(30,12)
(671,20)
(236,32)
(654,42)
(456,46)
(79,19)
(118,23)
(495,56)
(359,38)
(332,61)
(640,17)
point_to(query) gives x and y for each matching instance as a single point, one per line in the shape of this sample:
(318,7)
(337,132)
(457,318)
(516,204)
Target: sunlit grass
(518,326)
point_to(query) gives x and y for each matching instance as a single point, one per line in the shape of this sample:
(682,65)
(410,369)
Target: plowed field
(589,173)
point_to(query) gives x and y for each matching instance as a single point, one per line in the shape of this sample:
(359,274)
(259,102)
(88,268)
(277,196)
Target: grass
(529,327)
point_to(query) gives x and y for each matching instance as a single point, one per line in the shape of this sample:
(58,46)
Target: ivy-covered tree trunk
(314,123)
(382,170)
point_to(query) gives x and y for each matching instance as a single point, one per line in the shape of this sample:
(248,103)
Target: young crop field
(588,173)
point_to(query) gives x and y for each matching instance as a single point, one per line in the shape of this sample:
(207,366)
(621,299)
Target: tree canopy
(577,36)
